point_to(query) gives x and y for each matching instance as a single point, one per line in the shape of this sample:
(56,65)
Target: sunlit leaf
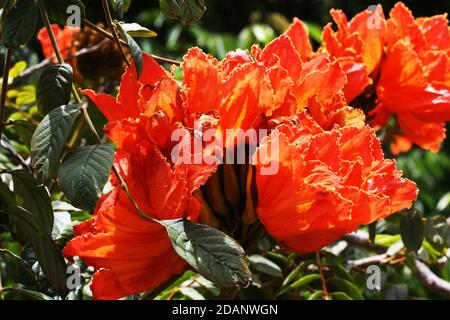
(216,256)
(84,172)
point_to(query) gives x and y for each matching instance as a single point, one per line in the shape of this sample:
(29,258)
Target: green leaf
(373,231)
(216,256)
(264,265)
(340,296)
(291,276)
(48,140)
(316,295)
(178,282)
(412,230)
(54,87)
(135,50)
(208,285)
(136,30)
(57,10)
(185,11)
(84,172)
(22,269)
(191,293)
(19,24)
(347,287)
(304,280)
(25,130)
(24,294)
(34,198)
(49,257)
(121,6)
(7,196)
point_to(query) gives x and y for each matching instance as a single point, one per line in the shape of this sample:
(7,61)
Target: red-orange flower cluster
(337,180)
(407,62)
(332,174)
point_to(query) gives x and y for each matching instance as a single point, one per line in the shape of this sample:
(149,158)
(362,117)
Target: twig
(44,63)
(431,281)
(6,68)
(361,239)
(322,276)
(422,272)
(111,37)
(110,24)
(365,262)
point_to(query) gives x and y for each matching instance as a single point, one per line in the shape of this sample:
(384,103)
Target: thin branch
(44,63)
(110,24)
(111,37)
(431,281)
(368,261)
(421,271)
(6,68)
(322,276)
(361,239)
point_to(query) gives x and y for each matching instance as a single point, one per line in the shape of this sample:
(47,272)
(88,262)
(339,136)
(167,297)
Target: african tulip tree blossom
(405,71)
(334,183)
(64,38)
(337,180)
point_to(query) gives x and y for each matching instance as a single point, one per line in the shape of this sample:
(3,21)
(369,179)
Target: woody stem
(110,23)
(108,35)
(322,276)
(6,68)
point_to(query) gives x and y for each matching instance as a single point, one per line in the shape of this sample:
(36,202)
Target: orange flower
(64,38)
(133,254)
(337,180)
(318,159)
(407,61)
(415,83)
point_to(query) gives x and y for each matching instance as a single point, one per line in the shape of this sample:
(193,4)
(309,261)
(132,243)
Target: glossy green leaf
(136,30)
(33,197)
(291,276)
(185,11)
(304,280)
(49,138)
(49,256)
(21,268)
(121,6)
(264,265)
(191,293)
(317,295)
(412,230)
(84,172)
(135,50)
(216,256)
(346,287)
(19,24)
(24,294)
(54,87)
(340,296)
